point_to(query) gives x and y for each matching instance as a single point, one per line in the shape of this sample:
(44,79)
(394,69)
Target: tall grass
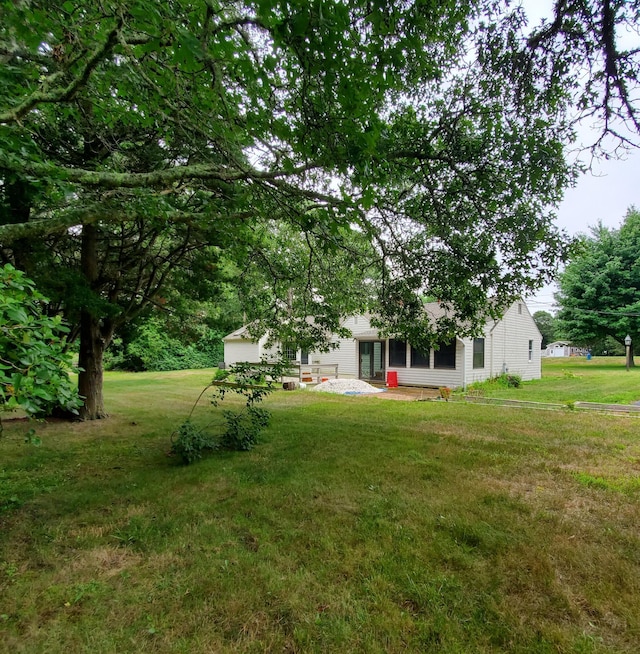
(357,525)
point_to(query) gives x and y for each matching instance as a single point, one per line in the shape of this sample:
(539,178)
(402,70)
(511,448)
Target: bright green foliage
(34,367)
(190,442)
(153,348)
(600,289)
(251,381)
(546,323)
(504,380)
(243,428)
(400,119)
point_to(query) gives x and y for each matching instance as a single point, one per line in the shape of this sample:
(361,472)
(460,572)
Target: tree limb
(64,94)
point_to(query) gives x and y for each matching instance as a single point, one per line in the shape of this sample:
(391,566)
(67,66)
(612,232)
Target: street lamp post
(627,344)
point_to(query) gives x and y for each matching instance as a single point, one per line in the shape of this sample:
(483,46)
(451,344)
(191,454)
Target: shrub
(510,381)
(34,364)
(191,442)
(153,349)
(505,380)
(243,427)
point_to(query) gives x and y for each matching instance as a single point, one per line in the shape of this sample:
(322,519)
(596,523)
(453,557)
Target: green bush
(243,428)
(190,443)
(34,363)
(505,380)
(251,381)
(153,349)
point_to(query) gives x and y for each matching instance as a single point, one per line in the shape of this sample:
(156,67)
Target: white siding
(506,349)
(346,354)
(241,350)
(477,374)
(434,377)
(244,349)
(510,344)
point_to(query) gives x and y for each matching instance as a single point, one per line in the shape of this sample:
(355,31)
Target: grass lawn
(357,525)
(574,379)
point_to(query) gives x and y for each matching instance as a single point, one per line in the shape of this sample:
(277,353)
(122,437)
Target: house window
(520,309)
(530,350)
(397,353)
(478,352)
(289,352)
(420,359)
(445,356)
(304,357)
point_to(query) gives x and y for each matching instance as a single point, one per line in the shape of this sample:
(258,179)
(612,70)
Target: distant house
(563,349)
(511,344)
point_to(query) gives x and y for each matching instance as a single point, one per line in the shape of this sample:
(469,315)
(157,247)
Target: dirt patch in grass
(104,561)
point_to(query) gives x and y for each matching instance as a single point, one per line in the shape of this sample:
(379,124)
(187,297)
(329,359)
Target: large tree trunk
(92,348)
(92,340)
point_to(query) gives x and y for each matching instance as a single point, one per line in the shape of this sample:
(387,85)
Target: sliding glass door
(371,355)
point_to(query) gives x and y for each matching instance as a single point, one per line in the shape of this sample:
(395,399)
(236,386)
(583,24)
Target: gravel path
(346,387)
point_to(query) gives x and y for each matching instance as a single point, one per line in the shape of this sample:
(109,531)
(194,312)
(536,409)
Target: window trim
(288,350)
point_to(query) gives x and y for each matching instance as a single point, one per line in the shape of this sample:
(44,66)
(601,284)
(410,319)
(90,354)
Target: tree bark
(92,341)
(90,362)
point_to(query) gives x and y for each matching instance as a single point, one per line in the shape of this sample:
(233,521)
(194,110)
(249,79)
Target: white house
(563,349)
(511,344)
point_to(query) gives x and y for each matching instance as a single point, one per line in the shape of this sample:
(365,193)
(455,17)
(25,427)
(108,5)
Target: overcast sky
(604,194)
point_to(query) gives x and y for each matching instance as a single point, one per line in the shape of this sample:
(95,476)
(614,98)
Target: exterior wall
(508,344)
(558,351)
(472,374)
(506,350)
(243,349)
(346,354)
(434,377)
(563,349)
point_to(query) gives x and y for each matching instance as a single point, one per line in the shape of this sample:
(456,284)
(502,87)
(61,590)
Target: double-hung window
(478,352)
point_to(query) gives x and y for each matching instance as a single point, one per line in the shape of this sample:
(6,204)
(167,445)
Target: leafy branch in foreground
(242,427)
(34,367)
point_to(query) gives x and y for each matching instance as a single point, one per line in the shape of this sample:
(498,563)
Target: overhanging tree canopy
(430,128)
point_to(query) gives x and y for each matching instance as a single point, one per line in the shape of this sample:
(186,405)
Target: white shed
(563,349)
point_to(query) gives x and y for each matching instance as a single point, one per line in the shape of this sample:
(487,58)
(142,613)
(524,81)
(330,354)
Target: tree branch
(109,180)
(42,227)
(66,93)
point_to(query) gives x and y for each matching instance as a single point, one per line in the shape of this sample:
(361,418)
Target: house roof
(434,309)
(241,333)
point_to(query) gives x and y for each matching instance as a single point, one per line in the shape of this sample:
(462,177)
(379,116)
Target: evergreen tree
(600,289)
